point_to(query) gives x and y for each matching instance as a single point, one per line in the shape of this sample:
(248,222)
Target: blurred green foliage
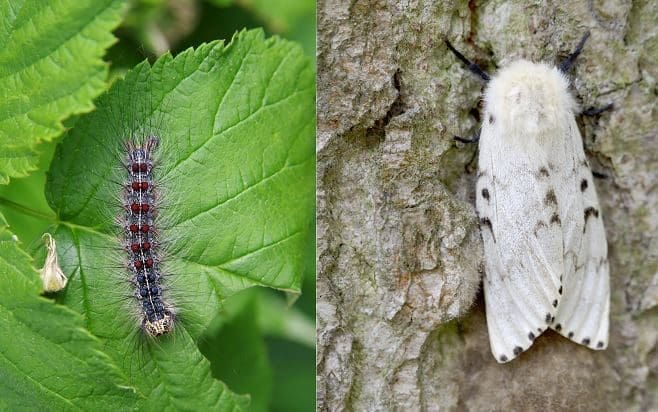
(154,26)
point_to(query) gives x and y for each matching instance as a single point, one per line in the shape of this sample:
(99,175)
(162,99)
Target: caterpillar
(140,237)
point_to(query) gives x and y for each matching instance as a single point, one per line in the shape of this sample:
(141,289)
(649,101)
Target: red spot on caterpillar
(139,185)
(149,263)
(134,247)
(146,246)
(138,264)
(145,228)
(145,207)
(134,207)
(135,167)
(133,228)
(143,167)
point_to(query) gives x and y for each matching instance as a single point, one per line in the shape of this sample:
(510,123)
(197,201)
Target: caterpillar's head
(161,325)
(528,98)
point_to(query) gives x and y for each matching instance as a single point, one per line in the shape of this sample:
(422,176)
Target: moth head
(528,97)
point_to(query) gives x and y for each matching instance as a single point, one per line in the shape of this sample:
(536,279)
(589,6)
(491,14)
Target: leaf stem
(26,210)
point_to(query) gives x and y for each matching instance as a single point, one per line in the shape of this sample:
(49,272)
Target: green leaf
(294,20)
(48,361)
(52,67)
(29,224)
(277,318)
(294,381)
(236,350)
(237,128)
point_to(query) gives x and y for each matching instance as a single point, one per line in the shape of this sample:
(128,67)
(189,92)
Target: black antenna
(474,68)
(568,62)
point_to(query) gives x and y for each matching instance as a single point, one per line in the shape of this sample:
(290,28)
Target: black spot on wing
(586,341)
(485,193)
(518,350)
(503,358)
(543,172)
(550,198)
(599,345)
(555,303)
(531,336)
(590,211)
(485,222)
(556,219)
(583,185)
(558,327)
(491,119)
(548,318)
(560,290)
(570,335)
(540,224)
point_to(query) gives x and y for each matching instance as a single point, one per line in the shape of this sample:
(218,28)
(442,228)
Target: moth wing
(523,245)
(584,310)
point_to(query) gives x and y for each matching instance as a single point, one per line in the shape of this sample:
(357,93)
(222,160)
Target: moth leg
(593,111)
(473,139)
(474,68)
(569,61)
(599,175)
(596,111)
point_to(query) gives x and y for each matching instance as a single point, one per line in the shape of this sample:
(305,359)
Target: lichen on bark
(400,321)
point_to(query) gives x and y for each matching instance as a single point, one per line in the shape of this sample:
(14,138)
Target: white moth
(544,242)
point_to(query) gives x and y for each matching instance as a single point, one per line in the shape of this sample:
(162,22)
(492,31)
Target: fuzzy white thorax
(528,100)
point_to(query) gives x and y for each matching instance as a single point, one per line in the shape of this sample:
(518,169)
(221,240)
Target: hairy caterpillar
(131,270)
(544,241)
(140,238)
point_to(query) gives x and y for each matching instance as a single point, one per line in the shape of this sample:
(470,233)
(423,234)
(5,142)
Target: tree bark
(401,322)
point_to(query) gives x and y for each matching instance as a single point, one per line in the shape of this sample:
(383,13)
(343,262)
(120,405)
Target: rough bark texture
(401,323)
